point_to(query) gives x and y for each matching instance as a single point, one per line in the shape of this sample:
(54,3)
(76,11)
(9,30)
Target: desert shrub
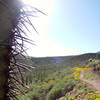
(60,89)
(81,85)
(54,94)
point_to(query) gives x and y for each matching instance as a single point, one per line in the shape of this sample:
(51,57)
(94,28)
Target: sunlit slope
(61,78)
(67,84)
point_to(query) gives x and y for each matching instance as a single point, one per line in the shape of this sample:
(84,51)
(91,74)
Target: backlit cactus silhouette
(13,17)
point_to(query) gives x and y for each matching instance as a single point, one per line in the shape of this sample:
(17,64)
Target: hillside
(67,60)
(62,78)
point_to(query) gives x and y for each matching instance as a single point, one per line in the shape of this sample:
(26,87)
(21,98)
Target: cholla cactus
(13,17)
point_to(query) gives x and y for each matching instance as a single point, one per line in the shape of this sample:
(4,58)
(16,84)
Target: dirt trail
(95,84)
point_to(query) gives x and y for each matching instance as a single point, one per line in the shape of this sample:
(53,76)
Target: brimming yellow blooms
(81,68)
(76,75)
(97,99)
(77,70)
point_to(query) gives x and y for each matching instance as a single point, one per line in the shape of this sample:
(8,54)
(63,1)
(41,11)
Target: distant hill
(58,60)
(65,60)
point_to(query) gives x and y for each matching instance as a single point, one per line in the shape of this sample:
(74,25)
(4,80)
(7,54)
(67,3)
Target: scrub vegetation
(51,81)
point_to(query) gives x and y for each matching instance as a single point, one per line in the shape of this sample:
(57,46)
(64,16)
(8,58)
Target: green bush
(60,89)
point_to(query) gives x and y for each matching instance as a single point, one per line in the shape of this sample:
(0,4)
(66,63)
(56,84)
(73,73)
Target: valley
(63,78)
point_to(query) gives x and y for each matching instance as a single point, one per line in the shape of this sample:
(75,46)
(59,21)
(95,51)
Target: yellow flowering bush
(81,68)
(77,70)
(97,92)
(95,95)
(97,99)
(87,66)
(76,75)
(87,96)
(98,96)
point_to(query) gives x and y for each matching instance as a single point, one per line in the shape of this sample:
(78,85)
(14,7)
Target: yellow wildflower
(97,99)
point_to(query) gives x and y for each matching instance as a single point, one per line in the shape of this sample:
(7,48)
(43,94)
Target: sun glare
(44,45)
(45,5)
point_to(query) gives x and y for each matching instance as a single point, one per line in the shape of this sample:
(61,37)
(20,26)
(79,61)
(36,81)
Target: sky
(71,27)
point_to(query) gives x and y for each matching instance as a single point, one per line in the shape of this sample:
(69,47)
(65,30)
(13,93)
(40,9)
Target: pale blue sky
(72,24)
(77,23)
